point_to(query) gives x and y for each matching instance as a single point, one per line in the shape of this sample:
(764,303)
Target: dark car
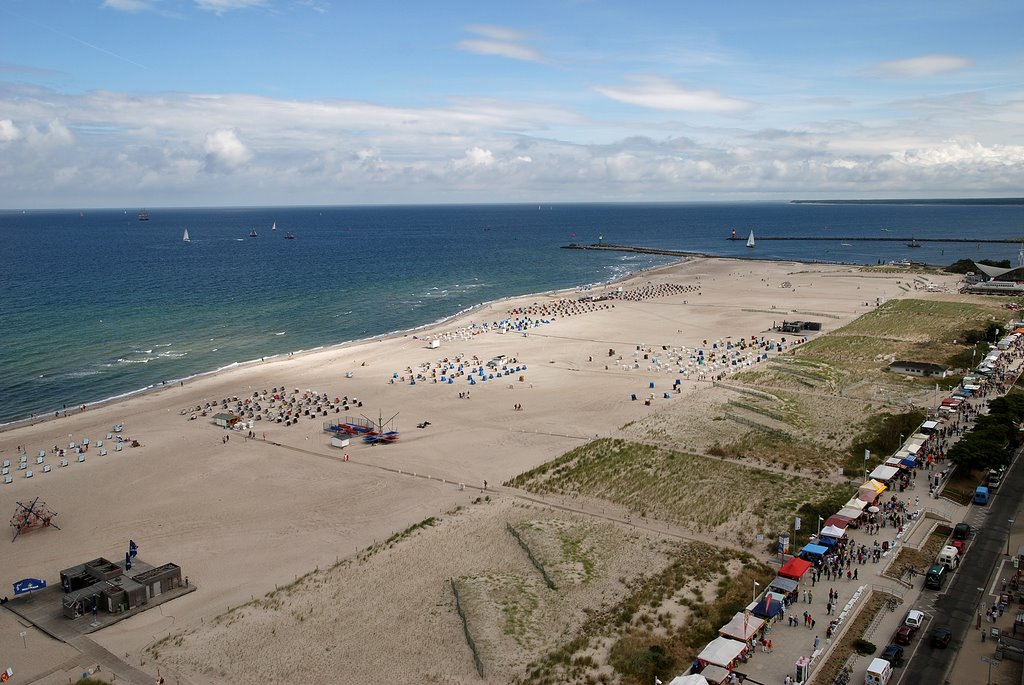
(941,636)
(904,635)
(893,654)
(961,531)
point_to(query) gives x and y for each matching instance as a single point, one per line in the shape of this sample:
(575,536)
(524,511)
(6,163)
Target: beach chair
(99,443)
(8,480)
(40,458)
(81,458)
(24,459)
(42,453)
(5,470)
(117,447)
(7,462)
(28,474)
(110,436)
(46,468)
(85,441)
(72,445)
(103,452)
(63,462)
(22,466)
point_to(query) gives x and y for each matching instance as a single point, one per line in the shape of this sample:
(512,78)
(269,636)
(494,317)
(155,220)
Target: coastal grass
(674,486)
(661,623)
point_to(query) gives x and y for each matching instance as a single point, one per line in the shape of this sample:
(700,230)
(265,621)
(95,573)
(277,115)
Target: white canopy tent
(722,651)
(856,503)
(833,531)
(742,626)
(851,513)
(695,679)
(884,473)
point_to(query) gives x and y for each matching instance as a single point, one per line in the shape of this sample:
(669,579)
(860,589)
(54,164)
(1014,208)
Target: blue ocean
(97,303)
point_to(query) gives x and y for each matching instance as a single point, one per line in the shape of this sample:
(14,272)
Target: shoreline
(156,388)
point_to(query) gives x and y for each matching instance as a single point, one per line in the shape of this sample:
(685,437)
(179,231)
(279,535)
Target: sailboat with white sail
(750,239)
(274,227)
(185,238)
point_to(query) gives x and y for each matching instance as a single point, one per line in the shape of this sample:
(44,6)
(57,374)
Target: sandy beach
(243,516)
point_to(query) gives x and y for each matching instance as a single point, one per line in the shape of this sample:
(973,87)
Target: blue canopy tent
(767,607)
(825,542)
(909,462)
(813,552)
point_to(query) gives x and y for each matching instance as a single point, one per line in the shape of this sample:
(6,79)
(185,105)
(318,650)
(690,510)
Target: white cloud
(499,41)
(221,6)
(224,151)
(655,92)
(8,131)
(923,65)
(110,149)
(128,5)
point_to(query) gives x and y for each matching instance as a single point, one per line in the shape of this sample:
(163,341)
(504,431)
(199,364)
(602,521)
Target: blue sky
(126,103)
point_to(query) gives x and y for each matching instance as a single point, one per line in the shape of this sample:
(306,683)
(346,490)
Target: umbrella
(873,509)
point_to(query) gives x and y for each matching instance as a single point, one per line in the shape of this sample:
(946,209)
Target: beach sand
(243,516)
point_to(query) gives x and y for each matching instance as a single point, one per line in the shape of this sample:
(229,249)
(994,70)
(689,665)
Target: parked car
(904,635)
(941,636)
(914,619)
(961,531)
(893,654)
(960,546)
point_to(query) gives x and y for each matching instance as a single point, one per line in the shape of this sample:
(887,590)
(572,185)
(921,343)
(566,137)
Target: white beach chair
(42,453)
(28,474)
(46,468)
(8,480)
(99,443)
(103,453)
(22,466)
(81,458)
(5,470)
(72,445)
(85,441)
(24,459)
(39,459)
(7,462)
(63,462)
(117,447)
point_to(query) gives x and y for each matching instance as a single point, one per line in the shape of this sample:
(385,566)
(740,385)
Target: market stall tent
(742,626)
(721,651)
(795,568)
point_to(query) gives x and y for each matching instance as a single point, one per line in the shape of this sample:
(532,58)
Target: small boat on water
(274,227)
(750,240)
(913,243)
(846,244)
(289,236)
(143,215)
(254,234)
(185,237)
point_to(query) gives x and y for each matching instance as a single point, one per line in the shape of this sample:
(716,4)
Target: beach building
(101,584)
(226,419)
(910,368)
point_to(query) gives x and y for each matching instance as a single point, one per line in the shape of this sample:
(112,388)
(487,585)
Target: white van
(948,557)
(879,672)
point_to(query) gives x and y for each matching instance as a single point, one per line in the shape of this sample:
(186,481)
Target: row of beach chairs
(5,468)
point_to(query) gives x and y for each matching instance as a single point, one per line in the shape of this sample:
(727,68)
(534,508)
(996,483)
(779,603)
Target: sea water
(96,303)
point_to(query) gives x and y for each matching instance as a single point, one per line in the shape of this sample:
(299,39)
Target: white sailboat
(185,237)
(750,239)
(274,227)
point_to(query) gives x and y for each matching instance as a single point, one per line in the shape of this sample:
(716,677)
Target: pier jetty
(880,239)
(631,248)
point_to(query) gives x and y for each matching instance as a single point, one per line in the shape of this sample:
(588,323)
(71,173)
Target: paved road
(958,606)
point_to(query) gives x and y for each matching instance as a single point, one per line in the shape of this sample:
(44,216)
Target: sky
(164,103)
